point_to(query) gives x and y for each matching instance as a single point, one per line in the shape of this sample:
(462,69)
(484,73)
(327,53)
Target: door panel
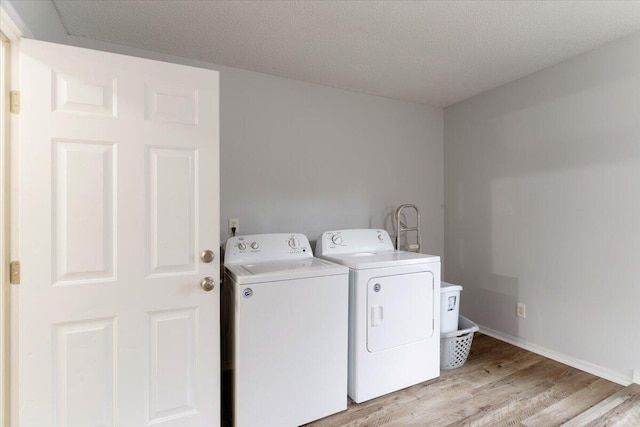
(83,185)
(171,210)
(172,104)
(172,372)
(400,310)
(118,195)
(84,94)
(84,354)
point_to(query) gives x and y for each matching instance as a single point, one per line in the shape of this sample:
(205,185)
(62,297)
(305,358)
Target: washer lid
(366,260)
(283,270)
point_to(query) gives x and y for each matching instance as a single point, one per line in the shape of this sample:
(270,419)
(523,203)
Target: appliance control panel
(350,241)
(266,247)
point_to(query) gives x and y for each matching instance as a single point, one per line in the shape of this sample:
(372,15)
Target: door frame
(9,250)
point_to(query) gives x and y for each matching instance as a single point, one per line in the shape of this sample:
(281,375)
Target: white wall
(306,158)
(542,206)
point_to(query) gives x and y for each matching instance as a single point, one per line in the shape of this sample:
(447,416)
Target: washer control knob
(242,246)
(337,240)
(255,245)
(380,237)
(294,243)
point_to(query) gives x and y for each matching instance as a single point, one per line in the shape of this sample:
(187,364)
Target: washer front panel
(290,350)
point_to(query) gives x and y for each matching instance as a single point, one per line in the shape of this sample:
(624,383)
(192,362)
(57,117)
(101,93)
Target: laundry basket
(455,346)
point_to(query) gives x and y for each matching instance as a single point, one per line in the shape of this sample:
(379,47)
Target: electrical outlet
(521,310)
(233,222)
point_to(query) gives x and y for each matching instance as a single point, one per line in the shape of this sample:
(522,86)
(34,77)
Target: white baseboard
(562,358)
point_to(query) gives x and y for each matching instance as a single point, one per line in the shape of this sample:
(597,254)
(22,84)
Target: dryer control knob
(255,245)
(380,237)
(337,240)
(242,246)
(293,243)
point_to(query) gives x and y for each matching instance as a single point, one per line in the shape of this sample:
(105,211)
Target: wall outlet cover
(233,222)
(521,310)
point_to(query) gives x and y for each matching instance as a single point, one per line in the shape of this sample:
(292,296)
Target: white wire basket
(455,345)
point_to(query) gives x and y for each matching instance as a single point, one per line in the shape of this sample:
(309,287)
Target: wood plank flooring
(621,408)
(500,385)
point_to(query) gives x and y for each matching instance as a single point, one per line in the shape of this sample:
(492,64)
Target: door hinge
(14,102)
(14,273)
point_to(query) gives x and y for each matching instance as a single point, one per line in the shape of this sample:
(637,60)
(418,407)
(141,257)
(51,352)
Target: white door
(118,196)
(400,310)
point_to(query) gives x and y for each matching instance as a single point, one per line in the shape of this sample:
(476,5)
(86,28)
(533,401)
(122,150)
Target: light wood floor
(500,385)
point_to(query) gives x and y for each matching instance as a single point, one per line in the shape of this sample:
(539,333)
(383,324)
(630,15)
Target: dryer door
(400,310)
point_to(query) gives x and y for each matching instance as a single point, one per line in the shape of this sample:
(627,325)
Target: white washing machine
(394,311)
(287,337)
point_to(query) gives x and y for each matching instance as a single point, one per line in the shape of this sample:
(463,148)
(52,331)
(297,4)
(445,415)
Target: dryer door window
(399,310)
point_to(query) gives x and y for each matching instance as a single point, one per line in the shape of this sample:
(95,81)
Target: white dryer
(287,337)
(394,311)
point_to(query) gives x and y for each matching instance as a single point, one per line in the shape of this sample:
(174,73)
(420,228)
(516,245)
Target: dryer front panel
(400,310)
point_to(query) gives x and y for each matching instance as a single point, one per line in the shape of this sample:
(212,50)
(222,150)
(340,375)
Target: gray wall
(306,158)
(542,206)
(302,157)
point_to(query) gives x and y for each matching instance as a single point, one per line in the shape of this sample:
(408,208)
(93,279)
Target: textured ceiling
(435,53)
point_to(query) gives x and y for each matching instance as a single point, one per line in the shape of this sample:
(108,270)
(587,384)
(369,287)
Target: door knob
(207,256)
(207,284)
